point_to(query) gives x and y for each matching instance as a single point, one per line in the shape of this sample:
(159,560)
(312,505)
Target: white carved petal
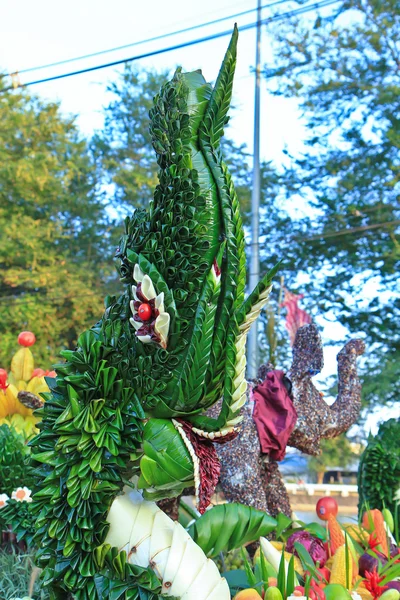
(140,539)
(136,324)
(217,278)
(160,544)
(221,590)
(122,511)
(148,289)
(180,539)
(132,305)
(138,274)
(161,327)
(146,339)
(160,302)
(191,565)
(134,288)
(233,422)
(204,583)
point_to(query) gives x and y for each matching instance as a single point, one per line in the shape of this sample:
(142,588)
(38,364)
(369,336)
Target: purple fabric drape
(274,415)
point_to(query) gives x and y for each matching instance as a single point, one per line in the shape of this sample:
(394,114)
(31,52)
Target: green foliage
(229,526)
(18,516)
(54,255)
(166,463)
(344,73)
(334,452)
(14,471)
(90,433)
(125,157)
(192,225)
(379,471)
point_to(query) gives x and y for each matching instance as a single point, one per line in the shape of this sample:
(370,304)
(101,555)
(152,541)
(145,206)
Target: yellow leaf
(22,364)
(11,379)
(22,410)
(11,395)
(3,405)
(18,422)
(37,385)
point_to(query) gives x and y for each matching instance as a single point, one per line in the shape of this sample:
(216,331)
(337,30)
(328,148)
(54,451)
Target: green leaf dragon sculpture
(128,407)
(379,470)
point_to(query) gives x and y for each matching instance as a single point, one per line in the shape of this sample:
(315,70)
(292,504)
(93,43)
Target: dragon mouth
(205,460)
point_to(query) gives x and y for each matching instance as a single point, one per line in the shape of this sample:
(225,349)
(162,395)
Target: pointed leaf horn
(215,117)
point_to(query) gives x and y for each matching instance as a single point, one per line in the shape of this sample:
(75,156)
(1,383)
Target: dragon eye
(144,312)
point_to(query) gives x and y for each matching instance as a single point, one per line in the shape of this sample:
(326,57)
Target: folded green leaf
(217,530)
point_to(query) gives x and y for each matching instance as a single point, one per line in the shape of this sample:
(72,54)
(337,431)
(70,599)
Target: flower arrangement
(20,392)
(350,562)
(16,521)
(22,382)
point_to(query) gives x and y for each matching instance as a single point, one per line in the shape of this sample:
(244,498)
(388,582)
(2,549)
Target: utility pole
(252,347)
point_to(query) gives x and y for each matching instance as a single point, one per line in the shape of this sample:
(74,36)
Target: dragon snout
(357,346)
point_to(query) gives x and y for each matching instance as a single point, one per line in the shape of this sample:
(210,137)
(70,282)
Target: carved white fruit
(150,538)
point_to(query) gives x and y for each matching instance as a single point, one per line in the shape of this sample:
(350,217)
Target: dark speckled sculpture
(316,420)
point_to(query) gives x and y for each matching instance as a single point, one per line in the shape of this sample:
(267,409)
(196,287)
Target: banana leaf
(229,526)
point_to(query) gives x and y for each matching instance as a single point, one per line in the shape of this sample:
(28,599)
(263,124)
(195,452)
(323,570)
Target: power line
(145,41)
(280,17)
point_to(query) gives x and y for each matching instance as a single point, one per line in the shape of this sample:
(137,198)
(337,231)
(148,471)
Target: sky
(44,31)
(41,32)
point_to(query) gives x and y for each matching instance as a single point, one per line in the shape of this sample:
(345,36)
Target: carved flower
(3,500)
(372,583)
(150,318)
(22,494)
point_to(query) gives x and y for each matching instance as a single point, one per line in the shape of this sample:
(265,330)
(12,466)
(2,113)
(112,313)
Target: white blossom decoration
(149,316)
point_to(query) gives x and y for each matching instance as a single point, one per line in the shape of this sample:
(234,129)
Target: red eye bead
(144,312)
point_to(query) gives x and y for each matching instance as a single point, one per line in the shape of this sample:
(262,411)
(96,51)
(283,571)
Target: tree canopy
(344,71)
(331,215)
(55,247)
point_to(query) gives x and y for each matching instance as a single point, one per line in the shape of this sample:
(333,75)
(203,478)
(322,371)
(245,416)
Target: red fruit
(325,573)
(327,506)
(144,312)
(317,590)
(301,590)
(3,379)
(320,577)
(26,338)
(38,372)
